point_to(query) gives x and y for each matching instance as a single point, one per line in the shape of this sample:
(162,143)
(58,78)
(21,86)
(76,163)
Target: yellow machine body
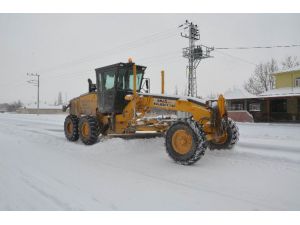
(85,104)
(117,107)
(140,104)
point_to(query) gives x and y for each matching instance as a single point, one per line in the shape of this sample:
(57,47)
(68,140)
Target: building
(44,109)
(287,78)
(281,104)
(241,105)
(3,108)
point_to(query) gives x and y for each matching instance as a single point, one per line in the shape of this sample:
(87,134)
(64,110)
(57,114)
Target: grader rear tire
(230,138)
(88,130)
(185,142)
(71,128)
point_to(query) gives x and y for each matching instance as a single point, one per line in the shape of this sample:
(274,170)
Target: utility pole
(194,53)
(35,80)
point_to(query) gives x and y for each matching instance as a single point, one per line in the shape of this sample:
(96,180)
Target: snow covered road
(41,170)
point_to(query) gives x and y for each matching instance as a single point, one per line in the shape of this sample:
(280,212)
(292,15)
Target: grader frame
(114,110)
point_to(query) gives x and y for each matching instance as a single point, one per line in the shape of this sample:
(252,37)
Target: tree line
(11,107)
(262,79)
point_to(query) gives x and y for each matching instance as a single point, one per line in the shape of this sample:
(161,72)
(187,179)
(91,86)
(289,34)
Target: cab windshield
(125,79)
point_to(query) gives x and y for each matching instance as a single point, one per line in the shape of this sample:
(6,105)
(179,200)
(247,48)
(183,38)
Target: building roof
(282,92)
(42,106)
(297,68)
(237,93)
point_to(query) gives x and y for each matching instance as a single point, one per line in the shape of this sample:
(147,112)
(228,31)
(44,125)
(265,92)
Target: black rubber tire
(93,130)
(98,127)
(198,142)
(73,135)
(232,137)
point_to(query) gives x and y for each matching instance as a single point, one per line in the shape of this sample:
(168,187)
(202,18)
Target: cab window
(108,80)
(125,79)
(138,80)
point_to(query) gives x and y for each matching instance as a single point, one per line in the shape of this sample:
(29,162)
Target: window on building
(279,105)
(236,106)
(254,107)
(297,82)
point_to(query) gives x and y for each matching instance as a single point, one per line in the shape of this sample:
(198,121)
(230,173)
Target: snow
(41,170)
(200,100)
(282,92)
(237,93)
(180,97)
(43,106)
(297,68)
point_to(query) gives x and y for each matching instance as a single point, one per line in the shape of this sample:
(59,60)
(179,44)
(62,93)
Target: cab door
(107,93)
(122,89)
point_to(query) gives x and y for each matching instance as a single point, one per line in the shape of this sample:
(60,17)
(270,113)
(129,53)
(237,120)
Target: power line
(85,72)
(104,55)
(158,36)
(237,58)
(154,57)
(166,59)
(161,36)
(258,47)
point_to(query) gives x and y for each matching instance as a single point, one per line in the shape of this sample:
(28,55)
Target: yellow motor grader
(115,105)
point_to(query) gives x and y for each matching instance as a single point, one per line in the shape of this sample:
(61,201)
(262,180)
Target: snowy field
(41,170)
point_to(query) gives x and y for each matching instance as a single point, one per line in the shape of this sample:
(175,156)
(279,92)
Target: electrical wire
(237,58)
(152,38)
(145,59)
(258,47)
(158,36)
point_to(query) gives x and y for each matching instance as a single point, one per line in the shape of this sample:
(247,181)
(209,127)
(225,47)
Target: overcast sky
(66,48)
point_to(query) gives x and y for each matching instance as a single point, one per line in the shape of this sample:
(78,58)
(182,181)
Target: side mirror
(146,83)
(65,107)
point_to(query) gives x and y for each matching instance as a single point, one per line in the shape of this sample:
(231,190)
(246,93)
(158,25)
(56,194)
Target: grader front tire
(185,142)
(88,130)
(231,137)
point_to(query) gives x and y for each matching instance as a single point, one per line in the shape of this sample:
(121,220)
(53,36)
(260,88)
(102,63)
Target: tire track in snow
(47,195)
(290,149)
(202,188)
(244,155)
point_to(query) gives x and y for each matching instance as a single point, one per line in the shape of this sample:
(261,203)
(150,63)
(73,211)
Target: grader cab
(114,83)
(117,106)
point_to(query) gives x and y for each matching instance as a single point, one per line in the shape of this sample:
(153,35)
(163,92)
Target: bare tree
(290,62)
(12,107)
(262,79)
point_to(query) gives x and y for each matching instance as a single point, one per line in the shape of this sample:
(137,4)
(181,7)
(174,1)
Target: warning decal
(161,102)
